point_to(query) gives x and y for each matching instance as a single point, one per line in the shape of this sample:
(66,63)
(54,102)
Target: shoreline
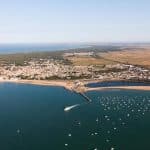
(69,85)
(140,88)
(60,83)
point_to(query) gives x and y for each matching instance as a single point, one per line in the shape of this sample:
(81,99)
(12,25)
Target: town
(52,69)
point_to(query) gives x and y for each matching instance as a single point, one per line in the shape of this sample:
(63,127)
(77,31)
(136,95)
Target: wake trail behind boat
(68,108)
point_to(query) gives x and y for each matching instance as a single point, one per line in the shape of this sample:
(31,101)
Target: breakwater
(85,97)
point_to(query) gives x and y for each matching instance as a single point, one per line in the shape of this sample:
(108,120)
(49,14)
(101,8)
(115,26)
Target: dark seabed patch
(33,117)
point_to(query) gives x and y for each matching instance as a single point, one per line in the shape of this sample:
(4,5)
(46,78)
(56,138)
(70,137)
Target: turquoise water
(33,118)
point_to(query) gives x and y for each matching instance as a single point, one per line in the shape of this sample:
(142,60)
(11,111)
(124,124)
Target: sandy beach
(61,83)
(145,88)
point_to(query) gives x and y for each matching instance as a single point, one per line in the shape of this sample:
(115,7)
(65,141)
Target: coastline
(61,83)
(141,88)
(69,85)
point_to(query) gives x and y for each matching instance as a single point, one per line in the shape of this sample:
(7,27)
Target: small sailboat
(97,120)
(18,131)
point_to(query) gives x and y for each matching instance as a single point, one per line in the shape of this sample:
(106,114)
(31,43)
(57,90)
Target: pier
(85,97)
(79,88)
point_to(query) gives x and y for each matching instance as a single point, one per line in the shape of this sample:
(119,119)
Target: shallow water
(33,117)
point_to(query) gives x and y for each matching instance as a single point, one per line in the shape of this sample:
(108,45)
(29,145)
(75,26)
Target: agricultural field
(140,57)
(89,60)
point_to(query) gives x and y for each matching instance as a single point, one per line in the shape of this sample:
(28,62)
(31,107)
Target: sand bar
(144,88)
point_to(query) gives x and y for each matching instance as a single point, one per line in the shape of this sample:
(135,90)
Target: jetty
(79,88)
(82,94)
(85,97)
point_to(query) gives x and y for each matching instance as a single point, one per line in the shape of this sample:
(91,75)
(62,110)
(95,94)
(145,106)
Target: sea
(32,117)
(25,48)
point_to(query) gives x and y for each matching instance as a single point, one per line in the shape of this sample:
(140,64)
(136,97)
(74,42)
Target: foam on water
(71,107)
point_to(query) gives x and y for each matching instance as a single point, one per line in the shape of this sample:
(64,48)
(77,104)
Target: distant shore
(70,84)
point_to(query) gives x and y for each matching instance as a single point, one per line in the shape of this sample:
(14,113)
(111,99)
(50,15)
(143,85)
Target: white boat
(70,107)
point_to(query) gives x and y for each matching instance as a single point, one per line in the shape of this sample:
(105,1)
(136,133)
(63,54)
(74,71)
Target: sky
(68,21)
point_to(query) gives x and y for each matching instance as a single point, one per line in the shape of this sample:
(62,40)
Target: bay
(33,118)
